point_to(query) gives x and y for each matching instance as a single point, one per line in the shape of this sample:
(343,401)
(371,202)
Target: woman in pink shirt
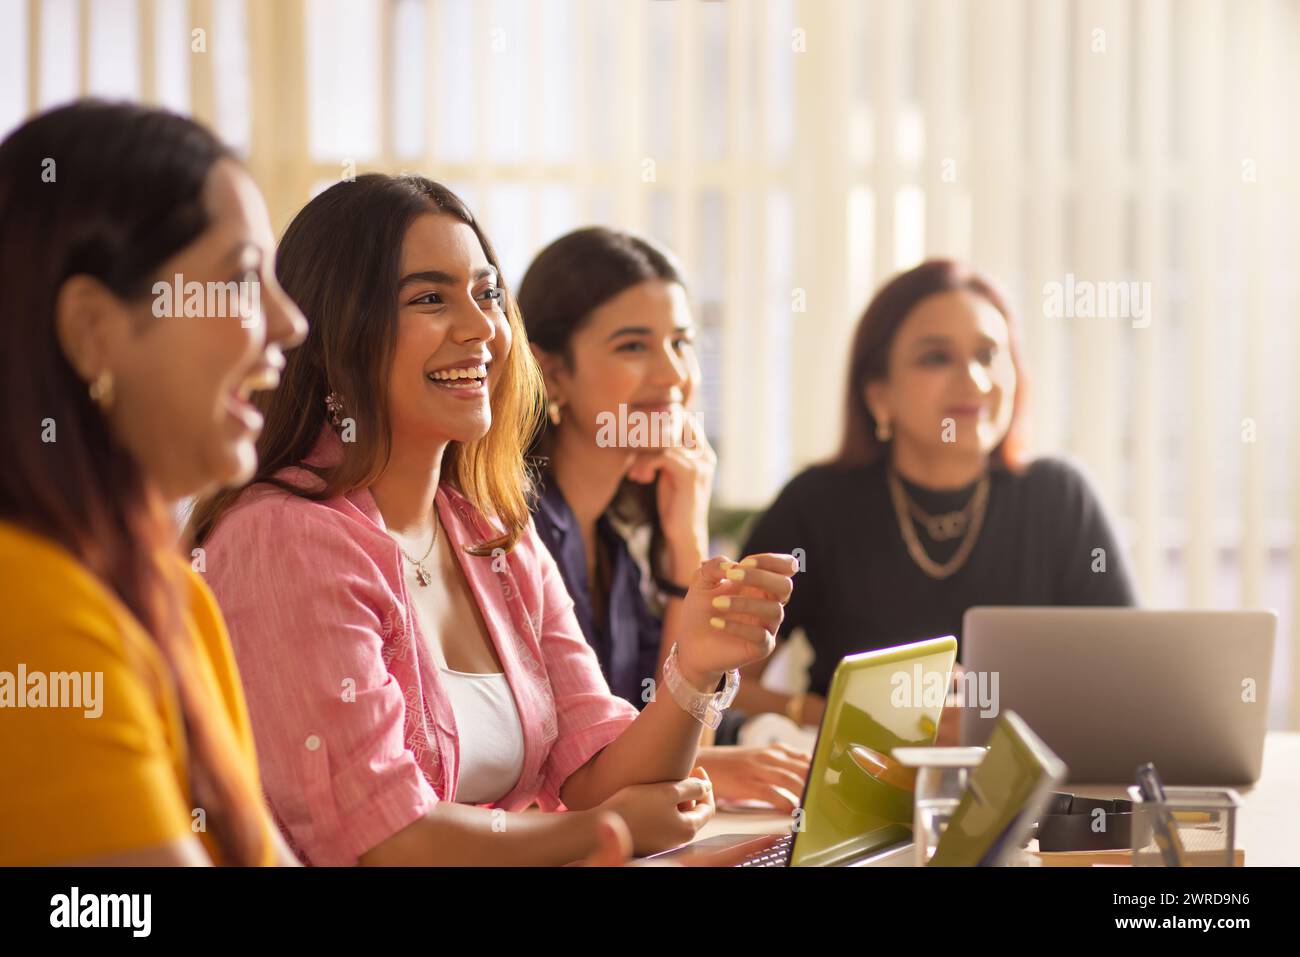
(407,645)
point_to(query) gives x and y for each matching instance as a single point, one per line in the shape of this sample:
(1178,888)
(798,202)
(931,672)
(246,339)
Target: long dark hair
(122,192)
(869,356)
(564,285)
(340,260)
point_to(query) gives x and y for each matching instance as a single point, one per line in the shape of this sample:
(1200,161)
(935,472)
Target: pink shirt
(355,735)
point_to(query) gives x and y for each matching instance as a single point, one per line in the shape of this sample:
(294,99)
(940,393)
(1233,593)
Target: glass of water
(941,778)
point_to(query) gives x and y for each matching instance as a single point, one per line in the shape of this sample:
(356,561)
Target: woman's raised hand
(685,475)
(731,615)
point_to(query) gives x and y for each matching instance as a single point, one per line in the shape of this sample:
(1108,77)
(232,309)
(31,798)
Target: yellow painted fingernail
(717,623)
(722,603)
(736,575)
(749,563)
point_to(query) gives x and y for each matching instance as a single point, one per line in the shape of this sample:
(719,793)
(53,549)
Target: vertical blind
(796,153)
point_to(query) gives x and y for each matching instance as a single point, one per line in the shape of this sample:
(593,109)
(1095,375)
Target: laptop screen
(858,799)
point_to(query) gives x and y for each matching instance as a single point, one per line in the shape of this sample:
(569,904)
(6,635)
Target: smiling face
(453,335)
(950,360)
(637,349)
(181,381)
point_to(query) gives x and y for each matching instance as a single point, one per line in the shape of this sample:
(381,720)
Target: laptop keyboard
(778,855)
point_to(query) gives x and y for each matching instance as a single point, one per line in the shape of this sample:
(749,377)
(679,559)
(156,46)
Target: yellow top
(95,765)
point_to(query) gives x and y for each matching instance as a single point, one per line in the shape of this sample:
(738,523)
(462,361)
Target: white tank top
(491,736)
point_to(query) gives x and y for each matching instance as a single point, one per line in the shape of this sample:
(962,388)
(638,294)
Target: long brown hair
(869,356)
(125,195)
(340,260)
(567,281)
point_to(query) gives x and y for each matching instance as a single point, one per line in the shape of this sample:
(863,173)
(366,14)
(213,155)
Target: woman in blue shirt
(625,474)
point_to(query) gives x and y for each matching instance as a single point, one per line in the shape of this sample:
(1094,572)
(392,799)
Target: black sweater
(860,589)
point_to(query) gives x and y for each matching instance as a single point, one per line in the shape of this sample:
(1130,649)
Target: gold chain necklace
(422,575)
(942,527)
(904,508)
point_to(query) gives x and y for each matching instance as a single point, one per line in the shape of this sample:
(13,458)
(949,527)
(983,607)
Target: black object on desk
(1068,823)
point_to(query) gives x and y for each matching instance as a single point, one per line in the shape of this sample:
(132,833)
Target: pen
(1165,828)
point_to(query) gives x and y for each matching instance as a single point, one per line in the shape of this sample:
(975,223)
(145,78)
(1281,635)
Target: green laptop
(857,803)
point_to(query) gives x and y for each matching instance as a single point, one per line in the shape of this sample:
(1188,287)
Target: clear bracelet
(705,708)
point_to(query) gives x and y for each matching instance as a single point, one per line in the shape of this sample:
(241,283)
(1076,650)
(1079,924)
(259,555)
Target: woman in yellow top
(138,311)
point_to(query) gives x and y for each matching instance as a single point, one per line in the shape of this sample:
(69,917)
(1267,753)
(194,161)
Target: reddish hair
(869,356)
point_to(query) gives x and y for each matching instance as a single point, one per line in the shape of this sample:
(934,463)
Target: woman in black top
(928,509)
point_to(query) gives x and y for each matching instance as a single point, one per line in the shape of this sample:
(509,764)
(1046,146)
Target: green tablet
(1003,799)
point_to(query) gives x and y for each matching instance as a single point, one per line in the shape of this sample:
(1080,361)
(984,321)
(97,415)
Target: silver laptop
(1109,689)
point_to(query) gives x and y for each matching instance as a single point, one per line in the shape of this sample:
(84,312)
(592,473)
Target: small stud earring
(101,391)
(553,412)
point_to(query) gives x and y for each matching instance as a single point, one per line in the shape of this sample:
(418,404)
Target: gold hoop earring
(101,391)
(884,432)
(553,412)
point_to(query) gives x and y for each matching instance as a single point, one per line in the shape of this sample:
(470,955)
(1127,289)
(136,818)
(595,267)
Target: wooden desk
(1268,824)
